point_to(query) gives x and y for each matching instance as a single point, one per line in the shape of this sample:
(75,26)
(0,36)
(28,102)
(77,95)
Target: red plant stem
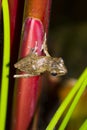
(27,89)
(13,13)
(38,9)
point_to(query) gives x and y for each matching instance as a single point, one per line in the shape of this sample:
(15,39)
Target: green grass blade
(84,126)
(5,68)
(73,105)
(65,103)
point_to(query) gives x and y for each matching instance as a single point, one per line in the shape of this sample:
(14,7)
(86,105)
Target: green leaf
(5,67)
(65,103)
(84,125)
(73,105)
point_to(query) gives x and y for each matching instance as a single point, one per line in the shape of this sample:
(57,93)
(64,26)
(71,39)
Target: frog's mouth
(63,71)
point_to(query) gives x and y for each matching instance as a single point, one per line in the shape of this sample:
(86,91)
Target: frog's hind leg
(25,75)
(44,46)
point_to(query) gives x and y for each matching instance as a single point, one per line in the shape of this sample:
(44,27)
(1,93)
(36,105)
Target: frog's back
(24,63)
(32,64)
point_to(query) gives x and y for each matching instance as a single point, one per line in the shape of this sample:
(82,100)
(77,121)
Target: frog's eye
(53,73)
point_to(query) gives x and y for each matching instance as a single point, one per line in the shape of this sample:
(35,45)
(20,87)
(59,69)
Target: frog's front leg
(25,75)
(44,46)
(33,51)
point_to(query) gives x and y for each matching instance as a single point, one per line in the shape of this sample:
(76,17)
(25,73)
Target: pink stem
(28,89)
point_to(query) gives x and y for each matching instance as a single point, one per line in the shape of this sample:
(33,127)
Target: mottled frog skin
(34,65)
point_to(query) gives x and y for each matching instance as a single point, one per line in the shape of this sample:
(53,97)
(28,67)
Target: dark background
(68,34)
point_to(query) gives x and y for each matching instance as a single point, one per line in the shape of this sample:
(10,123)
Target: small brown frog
(34,65)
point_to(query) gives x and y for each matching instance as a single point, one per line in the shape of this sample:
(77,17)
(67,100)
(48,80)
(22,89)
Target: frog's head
(57,67)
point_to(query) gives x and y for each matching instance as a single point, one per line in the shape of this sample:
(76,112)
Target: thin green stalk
(65,103)
(5,67)
(73,105)
(84,126)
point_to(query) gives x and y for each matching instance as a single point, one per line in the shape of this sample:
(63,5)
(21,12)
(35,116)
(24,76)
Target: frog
(35,65)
